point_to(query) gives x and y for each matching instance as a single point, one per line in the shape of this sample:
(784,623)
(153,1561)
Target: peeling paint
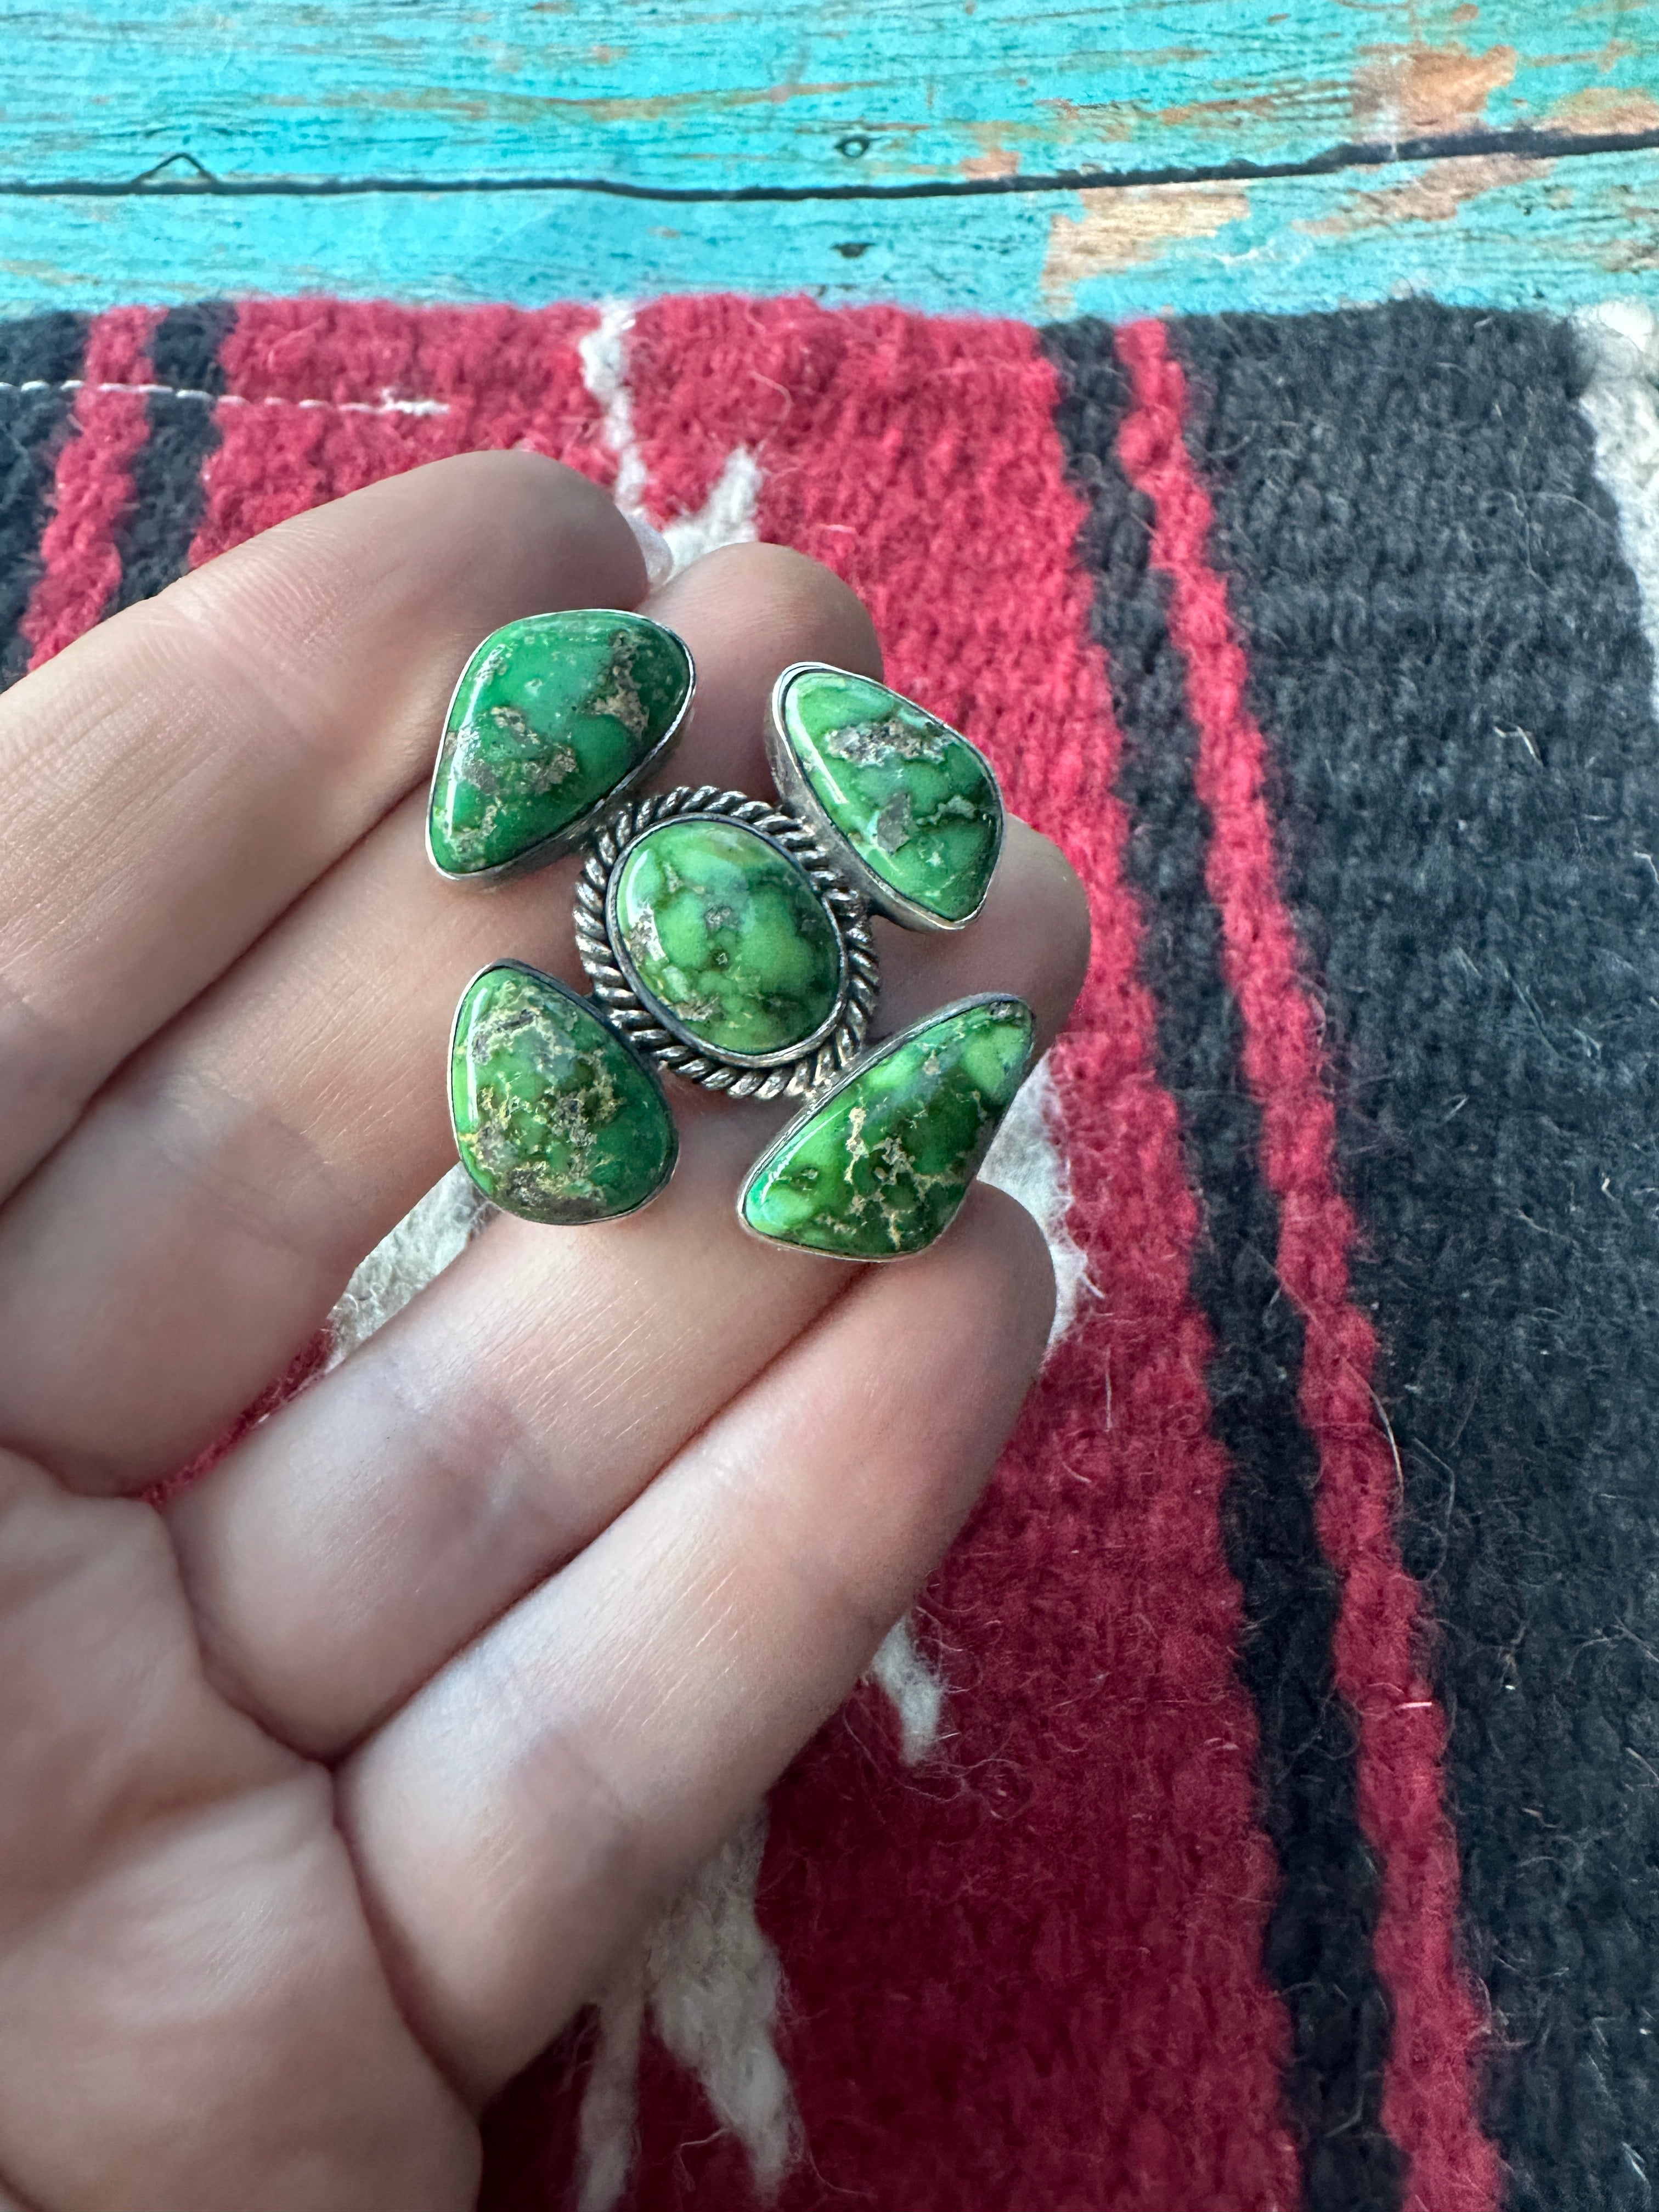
(1300,107)
(998,148)
(1120,229)
(1303,102)
(1605,107)
(1629,258)
(997,161)
(1418,90)
(1600,57)
(534,109)
(1434,197)
(1109,120)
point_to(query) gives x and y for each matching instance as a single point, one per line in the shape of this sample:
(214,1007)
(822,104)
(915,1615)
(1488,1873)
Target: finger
(208,1211)
(1031,939)
(516,1821)
(367,1531)
(174,781)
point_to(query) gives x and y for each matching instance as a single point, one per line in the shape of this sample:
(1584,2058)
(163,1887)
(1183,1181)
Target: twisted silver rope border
(792,1078)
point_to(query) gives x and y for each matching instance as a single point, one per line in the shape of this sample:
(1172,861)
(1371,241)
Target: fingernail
(659,553)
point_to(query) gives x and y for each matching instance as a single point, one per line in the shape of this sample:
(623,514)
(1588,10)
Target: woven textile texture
(1261,1808)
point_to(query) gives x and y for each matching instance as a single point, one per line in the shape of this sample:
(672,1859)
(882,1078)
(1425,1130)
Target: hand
(327,1793)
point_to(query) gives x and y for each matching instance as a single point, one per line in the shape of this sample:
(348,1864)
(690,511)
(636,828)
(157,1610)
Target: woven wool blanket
(1261,1808)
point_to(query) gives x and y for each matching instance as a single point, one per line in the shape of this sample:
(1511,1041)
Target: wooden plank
(1489,230)
(813,95)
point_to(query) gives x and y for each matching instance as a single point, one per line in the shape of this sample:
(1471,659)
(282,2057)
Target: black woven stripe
(45,350)
(167,475)
(1318,1945)
(1446,648)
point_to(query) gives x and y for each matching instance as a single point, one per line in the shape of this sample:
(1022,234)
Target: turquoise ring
(721,937)
(726,939)
(554,719)
(913,810)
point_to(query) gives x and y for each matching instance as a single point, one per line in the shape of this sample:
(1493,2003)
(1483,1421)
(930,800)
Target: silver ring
(796,790)
(792,1071)
(578,830)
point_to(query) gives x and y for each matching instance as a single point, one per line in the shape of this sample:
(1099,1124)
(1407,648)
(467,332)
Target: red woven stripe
(1030,1979)
(319,395)
(1428,2105)
(307,1363)
(94,486)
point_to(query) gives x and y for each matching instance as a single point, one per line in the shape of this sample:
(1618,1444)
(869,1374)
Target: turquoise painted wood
(315,116)
(1541,239)
(699,93)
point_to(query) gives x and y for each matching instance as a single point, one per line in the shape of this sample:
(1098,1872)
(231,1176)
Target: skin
(328,1794)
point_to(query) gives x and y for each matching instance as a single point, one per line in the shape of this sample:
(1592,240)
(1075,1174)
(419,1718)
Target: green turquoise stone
(915,802)
(880,1168)
(555,1118)
(551,714)
(727,934)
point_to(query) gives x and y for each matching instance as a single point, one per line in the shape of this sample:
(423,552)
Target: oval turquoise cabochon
(557,1119)
(916,803)
(552,715)
(726,935)
(879,1168)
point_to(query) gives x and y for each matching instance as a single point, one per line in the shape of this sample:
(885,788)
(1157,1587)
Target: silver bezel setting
(832,1090)
(601,1015)
(799,795)
(578,832)
(648,1025)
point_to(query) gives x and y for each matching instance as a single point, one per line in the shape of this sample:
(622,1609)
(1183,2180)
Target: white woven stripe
(1621,339)
(727,517)
(1028,1160)
(604,356)
(419,1249)
(916,1692)
(386,404)
(710,1981)
(608,2124)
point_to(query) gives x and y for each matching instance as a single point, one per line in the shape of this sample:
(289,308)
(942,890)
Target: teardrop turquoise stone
(555,1118)
(551,714)
(880,1168)
(727,934)
(916,803)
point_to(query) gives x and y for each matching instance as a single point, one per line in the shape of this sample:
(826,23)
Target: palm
(181,1914)
(327,1793)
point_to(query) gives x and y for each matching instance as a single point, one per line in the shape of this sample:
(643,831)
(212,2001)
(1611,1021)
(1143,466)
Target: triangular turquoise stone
(552,713)
(916,801)
(881,1166)
(555,1118)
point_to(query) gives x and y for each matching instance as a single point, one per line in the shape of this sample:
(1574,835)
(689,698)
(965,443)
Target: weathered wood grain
(472,101)
(1496,232)
(796,92)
